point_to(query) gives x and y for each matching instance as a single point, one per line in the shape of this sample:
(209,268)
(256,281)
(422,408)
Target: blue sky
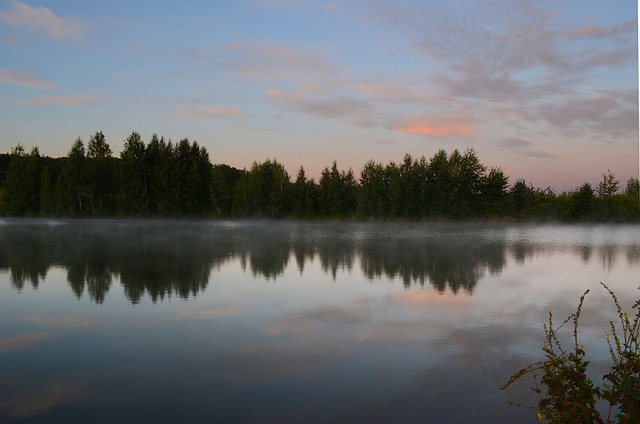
(547,90)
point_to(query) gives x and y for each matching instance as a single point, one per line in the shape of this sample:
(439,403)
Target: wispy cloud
(629,28)
(210,112)
(23,80)
(524,148)
(398,90)
(521,56)
(273,61)
(519,36)
(60,101)
(39,18)
(326,106)
(610,113)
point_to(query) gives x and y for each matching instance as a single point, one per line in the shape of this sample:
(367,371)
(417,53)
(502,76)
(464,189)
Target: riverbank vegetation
(566,393)
(165,179)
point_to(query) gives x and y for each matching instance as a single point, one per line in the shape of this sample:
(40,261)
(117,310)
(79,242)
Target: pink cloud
(39,18)
(23,80)
(436,127)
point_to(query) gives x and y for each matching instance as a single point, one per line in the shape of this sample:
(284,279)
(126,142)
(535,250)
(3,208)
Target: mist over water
(253,321)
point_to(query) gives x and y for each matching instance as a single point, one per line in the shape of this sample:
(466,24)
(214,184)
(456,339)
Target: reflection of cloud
(208,312)
(276,366)
(25,405)
(18,343)
(397,333)
(60,321)
(39,18)
(424,299)
(23,80)
(300,323)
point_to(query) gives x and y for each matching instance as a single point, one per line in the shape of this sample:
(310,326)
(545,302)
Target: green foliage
(133,190)
(163,179)
(100,174)
(493,192)
(268,190)
(623,388)
(11,188)
(566,394)
(373,191)
(21,190)
(47,194)
(609,185)
(413,194)
(98,147)
(223,181)
(337,193)
(304,193)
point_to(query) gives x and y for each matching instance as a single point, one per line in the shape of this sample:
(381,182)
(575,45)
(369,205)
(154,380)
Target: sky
(545,90)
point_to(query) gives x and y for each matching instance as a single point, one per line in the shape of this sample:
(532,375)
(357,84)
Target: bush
(565,392)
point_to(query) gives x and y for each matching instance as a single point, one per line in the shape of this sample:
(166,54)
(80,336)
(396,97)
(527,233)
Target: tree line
(165,179)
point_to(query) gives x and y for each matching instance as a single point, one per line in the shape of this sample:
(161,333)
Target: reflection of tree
(633,255)
(303,251)
(175,258)
(608,255)
(269,261)
(457,264)
(147,258)
(163,262)
(584,251)
(335,255)
(23,257)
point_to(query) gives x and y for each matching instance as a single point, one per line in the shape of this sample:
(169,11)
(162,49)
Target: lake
(255,321)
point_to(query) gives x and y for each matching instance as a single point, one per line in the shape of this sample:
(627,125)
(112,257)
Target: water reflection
(176,258)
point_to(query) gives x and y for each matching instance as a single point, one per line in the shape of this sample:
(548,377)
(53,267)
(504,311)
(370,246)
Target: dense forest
(163,179)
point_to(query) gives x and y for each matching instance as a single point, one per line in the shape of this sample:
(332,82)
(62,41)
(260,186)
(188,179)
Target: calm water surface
(163,321)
